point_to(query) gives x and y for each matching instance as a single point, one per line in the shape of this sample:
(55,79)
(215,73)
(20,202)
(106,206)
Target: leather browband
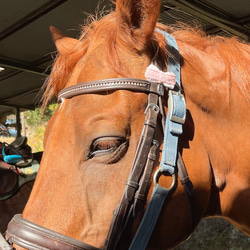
(131,84)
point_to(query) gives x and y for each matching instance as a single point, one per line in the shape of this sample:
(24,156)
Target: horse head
(91,140)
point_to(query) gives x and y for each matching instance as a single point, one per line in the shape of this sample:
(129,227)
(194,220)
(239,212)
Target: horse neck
(220,117)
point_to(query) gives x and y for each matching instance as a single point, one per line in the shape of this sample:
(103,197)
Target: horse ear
(136,20)
(63,43)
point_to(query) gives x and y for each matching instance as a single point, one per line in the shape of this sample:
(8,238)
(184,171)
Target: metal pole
(23,124)
(18,122)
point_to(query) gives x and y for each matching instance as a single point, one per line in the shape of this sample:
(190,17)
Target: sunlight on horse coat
(76,195)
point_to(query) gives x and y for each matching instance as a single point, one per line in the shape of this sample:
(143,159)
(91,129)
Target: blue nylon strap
(173,128)
(169,152)
(149,219)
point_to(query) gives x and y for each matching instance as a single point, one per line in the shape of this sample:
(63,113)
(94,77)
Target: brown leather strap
(189,190)
(123,212)
(16,181)
(131,84)
(33,237)
(141,194)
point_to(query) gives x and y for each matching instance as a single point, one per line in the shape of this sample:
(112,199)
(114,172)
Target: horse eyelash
(104,145)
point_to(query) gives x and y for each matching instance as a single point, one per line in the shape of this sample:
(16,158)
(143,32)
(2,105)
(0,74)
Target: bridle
(31,236)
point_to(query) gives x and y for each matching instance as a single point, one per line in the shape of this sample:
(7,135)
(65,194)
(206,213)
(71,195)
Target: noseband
(32,236)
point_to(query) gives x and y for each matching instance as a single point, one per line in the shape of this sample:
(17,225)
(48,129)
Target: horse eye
(105,145)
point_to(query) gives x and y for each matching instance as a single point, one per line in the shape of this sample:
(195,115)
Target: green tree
(34,118)
(36,125)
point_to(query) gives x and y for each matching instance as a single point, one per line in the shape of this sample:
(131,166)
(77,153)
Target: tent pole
(18,122)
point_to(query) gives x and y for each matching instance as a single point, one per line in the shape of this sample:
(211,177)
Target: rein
(21,231)
(26,175)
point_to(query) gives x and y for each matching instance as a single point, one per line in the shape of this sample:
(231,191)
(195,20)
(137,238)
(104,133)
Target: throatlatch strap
(173,128)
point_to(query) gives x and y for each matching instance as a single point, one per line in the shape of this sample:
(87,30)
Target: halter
(29,235)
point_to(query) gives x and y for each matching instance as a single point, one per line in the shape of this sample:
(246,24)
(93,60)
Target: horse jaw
(63,43)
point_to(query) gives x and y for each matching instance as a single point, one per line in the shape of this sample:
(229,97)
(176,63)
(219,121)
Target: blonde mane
(236,55)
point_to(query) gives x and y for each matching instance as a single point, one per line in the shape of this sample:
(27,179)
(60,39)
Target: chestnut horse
(91,140)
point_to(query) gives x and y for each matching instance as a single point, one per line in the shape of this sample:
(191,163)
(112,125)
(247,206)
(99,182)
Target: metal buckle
(160,89)
(153,106)
(176,107)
